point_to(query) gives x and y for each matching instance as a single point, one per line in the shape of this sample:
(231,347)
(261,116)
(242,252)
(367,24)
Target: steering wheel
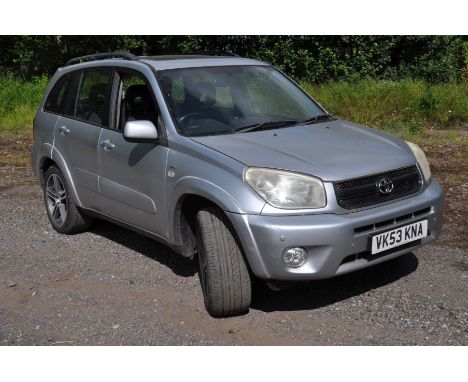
(187,116)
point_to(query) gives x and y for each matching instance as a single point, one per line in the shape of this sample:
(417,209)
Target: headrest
(204,92)
(97,96)
(208,93)
(138,97)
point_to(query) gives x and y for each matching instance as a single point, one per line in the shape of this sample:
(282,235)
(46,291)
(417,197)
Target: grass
(19,101)
(408,108)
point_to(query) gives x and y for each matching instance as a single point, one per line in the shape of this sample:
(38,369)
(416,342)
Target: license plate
(399,236)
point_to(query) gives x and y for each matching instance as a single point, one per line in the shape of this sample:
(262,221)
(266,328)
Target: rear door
(132,175)
(77,130)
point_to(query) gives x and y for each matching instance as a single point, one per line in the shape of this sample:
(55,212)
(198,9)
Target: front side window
(136,102)
(93,97)
(224,99)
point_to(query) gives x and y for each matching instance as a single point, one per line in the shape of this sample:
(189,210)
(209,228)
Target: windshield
(230,99)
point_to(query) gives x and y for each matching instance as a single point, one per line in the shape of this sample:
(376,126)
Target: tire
(64,216)
(224,276)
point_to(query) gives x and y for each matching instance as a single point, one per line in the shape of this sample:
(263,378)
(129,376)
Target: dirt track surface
(111,286)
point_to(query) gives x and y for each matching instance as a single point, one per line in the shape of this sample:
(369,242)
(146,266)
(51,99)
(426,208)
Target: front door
(132,175)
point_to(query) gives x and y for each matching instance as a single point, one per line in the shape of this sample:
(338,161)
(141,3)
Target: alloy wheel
(56,197)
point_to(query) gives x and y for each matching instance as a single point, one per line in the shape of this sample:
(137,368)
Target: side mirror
(140,132)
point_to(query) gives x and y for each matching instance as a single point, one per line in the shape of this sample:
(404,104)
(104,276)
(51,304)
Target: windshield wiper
(275,124)
(318,118)
(264,126)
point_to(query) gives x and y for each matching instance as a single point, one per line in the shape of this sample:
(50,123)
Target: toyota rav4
(227,160)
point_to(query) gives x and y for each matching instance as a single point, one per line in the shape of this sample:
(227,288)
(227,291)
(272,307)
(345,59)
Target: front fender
(225,201)
(191,185)
(208,190)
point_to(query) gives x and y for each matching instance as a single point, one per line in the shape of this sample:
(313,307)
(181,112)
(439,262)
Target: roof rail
(97,56)
(217,53)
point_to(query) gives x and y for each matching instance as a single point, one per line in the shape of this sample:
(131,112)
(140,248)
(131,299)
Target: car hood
(332,151)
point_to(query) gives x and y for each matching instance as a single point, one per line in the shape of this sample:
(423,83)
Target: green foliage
(399,83)
(464,74)
(310,58)
(405,105)
(428,103)
(19,101)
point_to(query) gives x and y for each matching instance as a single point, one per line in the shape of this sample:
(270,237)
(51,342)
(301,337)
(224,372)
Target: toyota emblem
(385,186)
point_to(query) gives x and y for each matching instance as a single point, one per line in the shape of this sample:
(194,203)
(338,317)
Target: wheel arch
(57,159)
(184,228)
(44,164)
(189,196)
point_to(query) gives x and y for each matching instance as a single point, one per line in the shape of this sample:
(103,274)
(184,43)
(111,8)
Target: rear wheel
(64,216)
(224,275)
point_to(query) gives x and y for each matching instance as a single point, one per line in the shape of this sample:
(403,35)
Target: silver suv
(228,160)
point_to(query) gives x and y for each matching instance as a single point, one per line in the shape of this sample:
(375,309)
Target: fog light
(295,257)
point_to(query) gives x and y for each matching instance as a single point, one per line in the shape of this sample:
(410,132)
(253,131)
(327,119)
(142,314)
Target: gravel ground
(110,286)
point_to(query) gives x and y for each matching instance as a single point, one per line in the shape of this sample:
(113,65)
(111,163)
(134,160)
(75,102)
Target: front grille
(391,222)
(363,192)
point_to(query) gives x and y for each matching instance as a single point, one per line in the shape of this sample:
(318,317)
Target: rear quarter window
(56,101)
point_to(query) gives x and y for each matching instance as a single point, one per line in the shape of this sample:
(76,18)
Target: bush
(464,74)
(410,104)
(19,101)
(310,58)
(406,106)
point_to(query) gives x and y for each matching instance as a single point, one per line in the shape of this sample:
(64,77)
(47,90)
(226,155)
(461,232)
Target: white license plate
(399,236)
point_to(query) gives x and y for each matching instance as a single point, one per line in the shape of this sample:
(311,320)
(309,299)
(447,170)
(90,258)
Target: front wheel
(224,275)
(64,215)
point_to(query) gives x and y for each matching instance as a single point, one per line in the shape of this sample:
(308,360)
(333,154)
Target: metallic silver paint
(331,151)
(329,238)
(140,130)
(132,182)
(200,62)
(129,183)
(78,150)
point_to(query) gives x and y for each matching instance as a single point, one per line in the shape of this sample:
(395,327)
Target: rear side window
(57,99)
(93,97)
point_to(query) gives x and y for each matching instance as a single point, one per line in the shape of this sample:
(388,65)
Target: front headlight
(421,158)
(284,189)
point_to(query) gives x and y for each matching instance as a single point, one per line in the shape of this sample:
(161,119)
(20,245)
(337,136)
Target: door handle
(63,130)
(107,145)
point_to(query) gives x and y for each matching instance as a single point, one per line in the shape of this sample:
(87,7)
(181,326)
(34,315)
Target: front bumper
(336,244)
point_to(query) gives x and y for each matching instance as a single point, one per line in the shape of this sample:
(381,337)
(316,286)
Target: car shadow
(152,249)
(305,296)
(321,293)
